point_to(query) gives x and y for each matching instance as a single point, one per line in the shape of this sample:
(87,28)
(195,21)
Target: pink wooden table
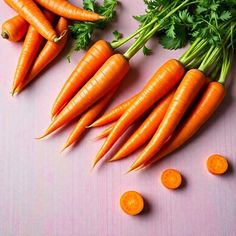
(45,193)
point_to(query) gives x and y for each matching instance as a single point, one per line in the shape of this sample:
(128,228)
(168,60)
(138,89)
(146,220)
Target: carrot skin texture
(146,129)
(108,76)
(114,114)
(187,91)
(88,117)
(30,48)
(15,28)
(105,132)
(209,102)
(49,52)
(96,56)
(34,16)
(68,10)
(165,79)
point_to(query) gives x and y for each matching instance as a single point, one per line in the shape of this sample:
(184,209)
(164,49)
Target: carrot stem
(5,35)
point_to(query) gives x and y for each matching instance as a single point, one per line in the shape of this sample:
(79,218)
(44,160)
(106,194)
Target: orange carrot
(68,10)
(31,46)
(14,29)
(165,79)
(31,13)
(87,67)
(132,203)
(105,133)
(205,108)
(114,114)
(107,77)
(188,89)
(47,54)
(171,179)
(146,130)
(88,117)
(217,164)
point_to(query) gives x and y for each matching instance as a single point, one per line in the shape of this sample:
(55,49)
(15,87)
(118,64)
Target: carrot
(132,203)
(165,79)
(34,16)
(210,100)
(47,54)
(108,76)
(31,46)
(87,67)
(68,10)
(105,133)
(115,113)
(14,29)
(217,164)
(146,130)
(88,117)
(171,179)
(188,89)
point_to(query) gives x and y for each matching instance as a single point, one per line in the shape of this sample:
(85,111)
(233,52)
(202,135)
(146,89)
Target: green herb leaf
(117,36)
(147,51)
(89,5)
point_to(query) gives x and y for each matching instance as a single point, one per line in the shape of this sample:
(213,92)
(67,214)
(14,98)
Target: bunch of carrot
(183,95)
(100,72)
(45,34)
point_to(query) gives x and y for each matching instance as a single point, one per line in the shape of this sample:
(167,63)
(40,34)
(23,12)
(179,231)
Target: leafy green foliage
(147,51)
(117,36)
(82,31)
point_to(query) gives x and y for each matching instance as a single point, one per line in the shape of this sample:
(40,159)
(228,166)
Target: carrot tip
(41,137)
(64,148)
(57,39)
(5,35)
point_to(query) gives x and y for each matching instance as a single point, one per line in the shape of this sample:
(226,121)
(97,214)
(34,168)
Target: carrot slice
(217,164)
(171,179)
(132,203)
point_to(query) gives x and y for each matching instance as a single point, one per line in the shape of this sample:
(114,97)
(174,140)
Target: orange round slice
(171,179)
(217,164)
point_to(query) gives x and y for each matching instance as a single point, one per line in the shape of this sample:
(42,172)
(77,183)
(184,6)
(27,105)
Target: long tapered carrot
(88,117)
(87,67)
(188,89)
(15,28)
(165,79)
(35,17)
(31,46)
(47,54)
(146,129)
(107,77)
(68,10)
(114,114)
(205,108)
(105,132)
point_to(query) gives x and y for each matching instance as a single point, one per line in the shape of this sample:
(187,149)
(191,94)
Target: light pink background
(45,193)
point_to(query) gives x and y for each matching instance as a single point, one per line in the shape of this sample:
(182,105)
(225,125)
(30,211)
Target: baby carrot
(88,117)
(165,79)
(108,76)
(31,13)
(14,29)
(146,130)
(210,100)
(47,54)
(95,58)
(132,203)
(186,92)
(171,179)
(217,164)
(114,114)
(68,10)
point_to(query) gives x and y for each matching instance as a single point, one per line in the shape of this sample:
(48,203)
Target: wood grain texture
(45,193)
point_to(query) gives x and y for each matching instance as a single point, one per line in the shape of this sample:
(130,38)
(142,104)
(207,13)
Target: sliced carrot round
(171,178)
(132,203)
(217,164)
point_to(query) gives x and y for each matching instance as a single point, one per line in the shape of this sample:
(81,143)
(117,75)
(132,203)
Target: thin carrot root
(171,179)
(217,164)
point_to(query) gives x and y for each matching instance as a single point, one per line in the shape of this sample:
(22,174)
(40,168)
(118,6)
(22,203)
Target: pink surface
(45,193)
